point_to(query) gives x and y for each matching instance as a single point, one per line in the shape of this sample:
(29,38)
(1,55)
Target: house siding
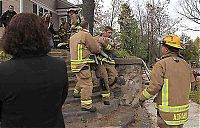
(27,6)
(55,20)
(6,3)
(51,5)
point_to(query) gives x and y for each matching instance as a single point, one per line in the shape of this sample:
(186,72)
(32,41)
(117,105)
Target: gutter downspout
(21,4)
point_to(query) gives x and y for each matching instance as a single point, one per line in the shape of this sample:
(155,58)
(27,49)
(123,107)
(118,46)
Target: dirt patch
(122,117)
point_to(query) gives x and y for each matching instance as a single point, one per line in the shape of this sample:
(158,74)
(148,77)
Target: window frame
(41,6)
(1,12)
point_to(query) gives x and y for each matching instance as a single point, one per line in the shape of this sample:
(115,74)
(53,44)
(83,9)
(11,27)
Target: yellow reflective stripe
(108,61)
(86,102)
(146,94)
(89,60)
(111,62)
(75,70)
(80,51)
(179,122)
(78,21)
(108,47)
(165,93)
(181,108)
(105,95)
(78,62)
(76,91)
(83,61)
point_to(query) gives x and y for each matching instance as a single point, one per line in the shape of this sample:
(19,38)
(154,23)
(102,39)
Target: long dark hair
(26,35)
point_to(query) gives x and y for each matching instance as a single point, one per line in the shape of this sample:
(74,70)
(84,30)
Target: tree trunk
(88,13)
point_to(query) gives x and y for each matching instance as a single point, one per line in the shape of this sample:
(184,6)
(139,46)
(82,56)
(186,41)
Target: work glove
(137,103)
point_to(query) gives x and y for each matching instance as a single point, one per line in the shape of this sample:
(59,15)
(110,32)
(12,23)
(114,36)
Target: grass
(195,95)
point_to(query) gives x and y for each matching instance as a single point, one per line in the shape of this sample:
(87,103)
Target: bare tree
(154,23)
(106,17)
(98,16)
(191,10)
(88,12)
(115,10)
(77,2)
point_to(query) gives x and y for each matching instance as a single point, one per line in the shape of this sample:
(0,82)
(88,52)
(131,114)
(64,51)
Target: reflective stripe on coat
(82,45)
(171,78)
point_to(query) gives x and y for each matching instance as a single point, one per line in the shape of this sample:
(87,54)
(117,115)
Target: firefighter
(74,20)
(63,32)
(82,45)
(106,71)
(171,79)
(6,16)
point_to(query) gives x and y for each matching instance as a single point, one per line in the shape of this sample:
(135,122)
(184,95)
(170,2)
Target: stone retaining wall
(131,71)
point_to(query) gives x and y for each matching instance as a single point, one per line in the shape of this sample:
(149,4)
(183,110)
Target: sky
(173,7)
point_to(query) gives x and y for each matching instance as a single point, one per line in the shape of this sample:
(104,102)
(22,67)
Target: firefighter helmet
(173,41)
(76,10)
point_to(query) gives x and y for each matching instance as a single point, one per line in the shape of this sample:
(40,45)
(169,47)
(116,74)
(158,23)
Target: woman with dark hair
(32,88)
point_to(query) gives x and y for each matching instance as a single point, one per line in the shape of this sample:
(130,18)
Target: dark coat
(7,16)
(32,92)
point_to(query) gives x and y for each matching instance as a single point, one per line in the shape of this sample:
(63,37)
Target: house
(58,8)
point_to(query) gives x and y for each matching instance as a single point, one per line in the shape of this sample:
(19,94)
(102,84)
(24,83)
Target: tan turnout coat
(82,45)
(171,79)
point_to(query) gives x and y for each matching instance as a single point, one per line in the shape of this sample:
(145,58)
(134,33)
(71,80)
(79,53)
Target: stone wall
(131,71)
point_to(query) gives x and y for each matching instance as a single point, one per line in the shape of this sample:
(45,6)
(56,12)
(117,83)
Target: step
(72,112)
(67,61)
(69,70)
(72,80)
(58,53)
(59,50)
(70,73)
(65,58)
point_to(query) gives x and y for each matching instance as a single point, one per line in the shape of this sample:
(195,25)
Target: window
(35,8)
(41,11)
(45,10)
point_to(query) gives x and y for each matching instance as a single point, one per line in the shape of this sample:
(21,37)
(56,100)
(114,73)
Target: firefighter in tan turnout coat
(82,45)
(171,78)
(74,19)
(106,68)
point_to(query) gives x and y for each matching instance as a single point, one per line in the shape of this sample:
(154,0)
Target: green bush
(122,54)
(195,95)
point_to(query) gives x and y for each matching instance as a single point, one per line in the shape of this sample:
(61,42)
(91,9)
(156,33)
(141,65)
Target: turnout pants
(84,86)
(161,123)
(107,74)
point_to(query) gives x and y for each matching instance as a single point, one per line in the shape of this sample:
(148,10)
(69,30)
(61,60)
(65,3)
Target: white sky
(174,5)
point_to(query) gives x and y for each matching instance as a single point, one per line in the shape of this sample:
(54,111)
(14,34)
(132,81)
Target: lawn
(195,95)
